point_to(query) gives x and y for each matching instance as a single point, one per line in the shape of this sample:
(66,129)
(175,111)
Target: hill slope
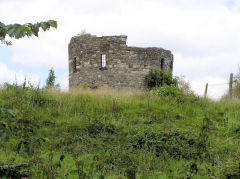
(99,134)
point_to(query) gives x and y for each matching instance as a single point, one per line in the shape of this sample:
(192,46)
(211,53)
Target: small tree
(156,78)
(50,81)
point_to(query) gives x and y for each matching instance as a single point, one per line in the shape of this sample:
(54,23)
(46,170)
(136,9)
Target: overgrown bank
(98,134)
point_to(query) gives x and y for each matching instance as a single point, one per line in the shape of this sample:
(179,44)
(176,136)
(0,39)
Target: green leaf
(44,26)
(11,112)
(18,31)
(74,172)
(53,23)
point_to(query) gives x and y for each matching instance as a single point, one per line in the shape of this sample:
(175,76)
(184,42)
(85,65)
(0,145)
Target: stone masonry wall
(126,67)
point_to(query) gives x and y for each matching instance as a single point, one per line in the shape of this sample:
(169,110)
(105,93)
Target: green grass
(110,134)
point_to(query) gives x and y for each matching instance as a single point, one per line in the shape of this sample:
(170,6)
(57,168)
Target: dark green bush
(177,144)
(7,119)
(8,170)
(156,78)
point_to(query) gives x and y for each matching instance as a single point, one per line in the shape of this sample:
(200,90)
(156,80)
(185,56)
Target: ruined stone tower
(108,62)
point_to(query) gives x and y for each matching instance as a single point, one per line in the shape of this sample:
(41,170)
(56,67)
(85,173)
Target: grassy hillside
(104,134)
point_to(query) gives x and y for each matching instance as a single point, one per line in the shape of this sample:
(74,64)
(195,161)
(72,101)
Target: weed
(104,134)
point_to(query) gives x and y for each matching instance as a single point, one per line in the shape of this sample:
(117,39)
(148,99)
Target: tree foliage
(18,31)
(50,81)
(156,78)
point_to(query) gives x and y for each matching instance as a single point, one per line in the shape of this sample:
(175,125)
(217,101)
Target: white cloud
(63,81)
(11,76)
(203,35)
(214,70)
(216,86)
(46,51)
(35,79)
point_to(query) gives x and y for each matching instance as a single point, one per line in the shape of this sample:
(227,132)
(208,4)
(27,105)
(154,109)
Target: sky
(202,35)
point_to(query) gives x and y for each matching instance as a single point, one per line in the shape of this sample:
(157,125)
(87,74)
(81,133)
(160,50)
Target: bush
(85,85)
(168,91)
(156,78)
(177,93)
(50,81)
(174,142)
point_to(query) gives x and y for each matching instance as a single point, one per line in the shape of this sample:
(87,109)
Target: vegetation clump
(18,31)
(85,33)
(50,81)
(165,133)
(156,78)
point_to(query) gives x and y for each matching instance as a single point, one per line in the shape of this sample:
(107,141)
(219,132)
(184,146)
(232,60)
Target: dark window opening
(162,63)
(171,66)
(75,65)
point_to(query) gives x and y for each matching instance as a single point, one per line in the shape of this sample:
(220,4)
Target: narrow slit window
(171,66)
(75,65)
(103,60)
(162,63)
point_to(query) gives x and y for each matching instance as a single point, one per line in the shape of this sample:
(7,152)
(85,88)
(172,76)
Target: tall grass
(115,134)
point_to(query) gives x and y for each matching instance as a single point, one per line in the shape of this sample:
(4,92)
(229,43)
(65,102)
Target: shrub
(168,90)
(156,78)
(177,93)
(85,85)
(50,81)
(177,144)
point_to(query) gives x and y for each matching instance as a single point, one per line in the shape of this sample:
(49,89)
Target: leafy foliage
(7,119)
(177,144)
(18,31)
(156,78)
(11,171)
(50,81)
(168,90)
(85,85)
(84,33)
(97,134)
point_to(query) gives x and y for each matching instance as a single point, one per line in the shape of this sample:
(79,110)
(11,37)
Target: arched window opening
(162,63)
(74,64)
